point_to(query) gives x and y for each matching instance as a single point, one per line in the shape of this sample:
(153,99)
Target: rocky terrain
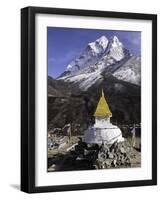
(86,157)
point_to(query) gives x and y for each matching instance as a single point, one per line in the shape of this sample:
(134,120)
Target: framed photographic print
(88,99)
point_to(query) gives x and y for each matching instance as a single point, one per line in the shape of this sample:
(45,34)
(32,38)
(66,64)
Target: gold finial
(102,93)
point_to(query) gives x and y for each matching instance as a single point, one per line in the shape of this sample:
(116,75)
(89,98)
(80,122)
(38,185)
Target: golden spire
(102,93)
(102,109)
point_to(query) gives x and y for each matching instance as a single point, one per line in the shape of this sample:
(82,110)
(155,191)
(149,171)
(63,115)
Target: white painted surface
(102,122)
(10,90)
(103,132)
(103,135)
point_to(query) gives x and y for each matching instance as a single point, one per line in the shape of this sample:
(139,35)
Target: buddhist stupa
(103,131)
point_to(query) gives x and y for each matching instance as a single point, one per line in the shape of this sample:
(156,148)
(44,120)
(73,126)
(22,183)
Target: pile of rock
(105,156)
(113,156)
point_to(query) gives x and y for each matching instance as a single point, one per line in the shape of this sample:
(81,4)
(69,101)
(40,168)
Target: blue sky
(65,44)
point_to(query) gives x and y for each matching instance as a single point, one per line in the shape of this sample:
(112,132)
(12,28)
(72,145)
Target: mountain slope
(130,71)
(78,106)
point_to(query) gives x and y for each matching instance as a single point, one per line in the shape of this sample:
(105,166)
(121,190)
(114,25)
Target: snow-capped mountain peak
(116,42)
(90,55)
(97,47)
(101,42)
(103,54)
(117,50)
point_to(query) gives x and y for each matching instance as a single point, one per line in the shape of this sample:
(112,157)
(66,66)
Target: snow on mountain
(89,56)
(104,54)
(99,45)
(85,80)
(116,50)
(130,71)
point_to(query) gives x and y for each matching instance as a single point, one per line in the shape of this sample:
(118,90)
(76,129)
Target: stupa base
(110,135)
